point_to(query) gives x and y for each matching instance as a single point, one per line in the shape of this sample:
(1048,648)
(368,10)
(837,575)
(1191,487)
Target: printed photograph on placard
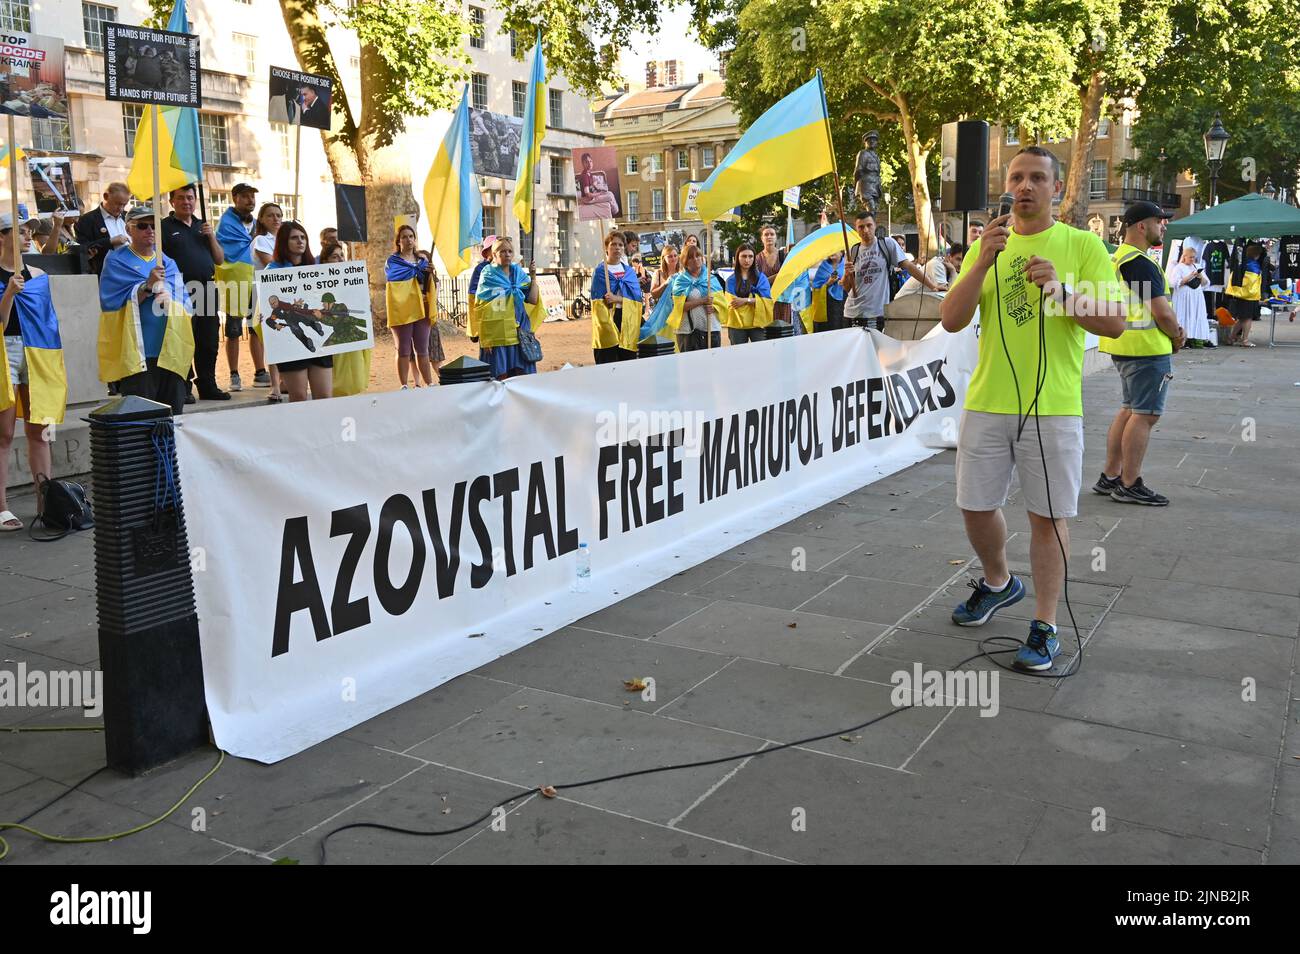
(314,310)
(52,183)
(596,175)
(151,66)
(494,143)
(31,76)
(296,95)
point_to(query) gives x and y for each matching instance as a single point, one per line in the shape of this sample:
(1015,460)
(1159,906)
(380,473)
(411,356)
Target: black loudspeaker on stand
(154,709)
(964,167)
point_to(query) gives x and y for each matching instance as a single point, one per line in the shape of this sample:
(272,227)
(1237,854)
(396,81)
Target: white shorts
(17,359)
(987,452)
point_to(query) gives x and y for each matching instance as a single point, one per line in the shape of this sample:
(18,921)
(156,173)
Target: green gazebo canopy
(1251,216)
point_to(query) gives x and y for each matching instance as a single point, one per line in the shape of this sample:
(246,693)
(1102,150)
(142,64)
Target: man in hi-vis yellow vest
(1143,355)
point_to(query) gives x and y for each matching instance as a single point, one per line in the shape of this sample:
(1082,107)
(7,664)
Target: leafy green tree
(1237,57)
(905,70)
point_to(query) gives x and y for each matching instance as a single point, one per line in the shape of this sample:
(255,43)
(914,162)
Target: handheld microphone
(1005,204)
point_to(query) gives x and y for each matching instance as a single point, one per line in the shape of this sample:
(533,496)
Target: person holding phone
(1187,279)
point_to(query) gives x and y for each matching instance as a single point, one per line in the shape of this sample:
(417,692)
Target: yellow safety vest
(1142,336)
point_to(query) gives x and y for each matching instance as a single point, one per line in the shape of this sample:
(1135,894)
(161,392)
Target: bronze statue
(866,173)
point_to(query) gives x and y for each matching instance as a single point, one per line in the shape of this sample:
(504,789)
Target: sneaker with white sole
(1040,650)
(1105,485)
(986,601)
(1139,494)
(235,383)
(261,379)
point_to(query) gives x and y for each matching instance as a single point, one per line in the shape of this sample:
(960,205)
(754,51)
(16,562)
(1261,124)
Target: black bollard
(464,369)
(154,708)
(656,346)
(780,329)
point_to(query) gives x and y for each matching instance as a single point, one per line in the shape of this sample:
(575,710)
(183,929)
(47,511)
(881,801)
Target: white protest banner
(314,310)
(402,539)
(790,198)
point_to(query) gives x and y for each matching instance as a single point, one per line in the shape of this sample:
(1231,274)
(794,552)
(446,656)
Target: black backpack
(65,508)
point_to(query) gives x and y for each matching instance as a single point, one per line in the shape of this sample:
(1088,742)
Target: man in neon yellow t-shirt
(1039,285)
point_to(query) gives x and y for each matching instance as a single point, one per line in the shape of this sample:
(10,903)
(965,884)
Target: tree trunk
(917,155)
(1078,179)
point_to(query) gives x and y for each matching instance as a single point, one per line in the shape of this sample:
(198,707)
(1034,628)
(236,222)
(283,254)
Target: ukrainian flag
(789,144)
(121,338)
(235,276)
(530,141)
(47,387)
(451,198)
(19,155)
(180,159)
(815,248)
(671,306)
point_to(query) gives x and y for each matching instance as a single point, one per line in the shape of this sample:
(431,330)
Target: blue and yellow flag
(605,332)
(671,307)
(180,158)
(530,141)
(235,275)
(47,382)
(122,334)
(814,249)
(451,198)
(788,145)
(502,302)
(19,155)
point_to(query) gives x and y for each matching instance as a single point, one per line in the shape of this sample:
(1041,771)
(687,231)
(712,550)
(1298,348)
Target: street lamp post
(1160,192)
(1216,145)
(1269,191)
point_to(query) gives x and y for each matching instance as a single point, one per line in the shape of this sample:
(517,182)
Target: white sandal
(8,517)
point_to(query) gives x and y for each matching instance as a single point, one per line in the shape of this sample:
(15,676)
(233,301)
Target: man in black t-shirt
(192,244)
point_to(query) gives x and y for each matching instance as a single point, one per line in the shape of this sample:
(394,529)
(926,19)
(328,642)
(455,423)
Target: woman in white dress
(1189,301)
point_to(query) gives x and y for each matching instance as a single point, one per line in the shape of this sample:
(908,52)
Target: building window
(16,15)
(477,20)
(654,163)
(355,63)
(214,139)
(218,201)
(1097,186)
(557,175)
(514,43)
(564,229)
(93,18)
(282,131)
(1013,135)
(683,159)
(131,116)
(707,157)
(657,203)
(519,98)
(631,166)
(633,206)
(478,91)
(1128,177)
(489,220)
(52,135)
(1128,131)
(1103,127)
(556,100)
(285,201)
(248,45)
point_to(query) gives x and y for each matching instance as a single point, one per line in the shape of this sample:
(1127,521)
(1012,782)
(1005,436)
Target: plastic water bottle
(583,578)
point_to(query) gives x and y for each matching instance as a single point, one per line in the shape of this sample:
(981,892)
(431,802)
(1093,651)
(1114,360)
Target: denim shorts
(1146,382)
(17,359)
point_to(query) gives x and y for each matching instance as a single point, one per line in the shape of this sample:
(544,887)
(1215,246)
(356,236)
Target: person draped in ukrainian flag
(146,344)
(688,305)
(508,301)
(407,275)
(235,280)
(472,318)
(616,305)
(749,300)
(827,311)
(33,384)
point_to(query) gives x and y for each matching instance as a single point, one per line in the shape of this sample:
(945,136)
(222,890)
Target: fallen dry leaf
(474,635)
(791,625)
(634,685)
(956,562)
(548,791)
(845,738)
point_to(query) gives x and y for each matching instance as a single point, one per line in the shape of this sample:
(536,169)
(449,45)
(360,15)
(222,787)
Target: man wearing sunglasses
(146,342)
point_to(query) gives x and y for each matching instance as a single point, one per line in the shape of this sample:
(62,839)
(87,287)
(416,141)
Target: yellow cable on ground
(89,839)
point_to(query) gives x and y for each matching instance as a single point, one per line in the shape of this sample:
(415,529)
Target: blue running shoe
(984,602)
(1040,649)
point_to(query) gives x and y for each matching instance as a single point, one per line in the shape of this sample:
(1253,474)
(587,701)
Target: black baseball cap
(243,187)
(1139,211)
